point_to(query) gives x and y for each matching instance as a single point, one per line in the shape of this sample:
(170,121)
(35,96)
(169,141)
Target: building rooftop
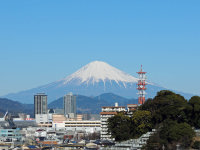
(132,104)
(113,107)
(108,113)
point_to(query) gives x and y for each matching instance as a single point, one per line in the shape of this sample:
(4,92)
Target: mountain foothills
(93,104)
(14,107)
(84,104)
(91,80)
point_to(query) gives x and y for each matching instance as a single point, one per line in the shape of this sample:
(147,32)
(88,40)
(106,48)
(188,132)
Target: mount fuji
(93,79)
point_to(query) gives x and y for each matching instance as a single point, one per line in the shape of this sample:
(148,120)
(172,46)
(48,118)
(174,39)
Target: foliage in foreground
(123,127)
(171,114)
(141,123)
(196,145)
(120,127)
(170,135)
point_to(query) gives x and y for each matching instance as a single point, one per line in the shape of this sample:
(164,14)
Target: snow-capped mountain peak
(97,71)
(91,80)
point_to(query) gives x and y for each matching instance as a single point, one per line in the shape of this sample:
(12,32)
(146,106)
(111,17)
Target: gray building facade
(69,103)
(40,103)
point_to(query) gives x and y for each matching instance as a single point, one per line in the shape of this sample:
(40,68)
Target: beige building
(61,122)
(106,113)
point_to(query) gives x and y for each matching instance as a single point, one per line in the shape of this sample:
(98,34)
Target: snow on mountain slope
(91,80)
(97,71)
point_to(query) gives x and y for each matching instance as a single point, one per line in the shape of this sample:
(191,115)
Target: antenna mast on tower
(141,86)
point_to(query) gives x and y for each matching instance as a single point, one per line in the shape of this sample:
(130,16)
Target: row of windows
(80,126)
(81,123)
(3,135)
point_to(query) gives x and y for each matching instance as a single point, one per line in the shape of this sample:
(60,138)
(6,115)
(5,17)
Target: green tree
(177,133)
(168,112)
(155,142)
(120,127)
(141,122)
(169,135)
(166,105)
(196,145)
(194,111)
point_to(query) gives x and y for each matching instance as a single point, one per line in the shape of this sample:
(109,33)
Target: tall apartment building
(40,103)
(69,103)
(106,113)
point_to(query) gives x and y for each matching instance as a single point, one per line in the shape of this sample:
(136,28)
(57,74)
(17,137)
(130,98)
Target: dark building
(40,103)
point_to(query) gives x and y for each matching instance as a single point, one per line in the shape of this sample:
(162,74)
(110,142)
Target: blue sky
(44,41)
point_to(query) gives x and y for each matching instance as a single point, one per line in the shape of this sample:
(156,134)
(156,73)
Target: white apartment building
(43,118)
(88,126)
(106,113)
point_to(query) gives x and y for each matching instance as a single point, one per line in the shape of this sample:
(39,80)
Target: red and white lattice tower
(141,86)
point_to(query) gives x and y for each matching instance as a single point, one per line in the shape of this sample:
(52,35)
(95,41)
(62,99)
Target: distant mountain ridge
(14,107)
(93,105)
(91,80)
(85,104)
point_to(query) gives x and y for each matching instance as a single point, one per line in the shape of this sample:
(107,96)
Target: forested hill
(93,105)
(14,107)
(84,104)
